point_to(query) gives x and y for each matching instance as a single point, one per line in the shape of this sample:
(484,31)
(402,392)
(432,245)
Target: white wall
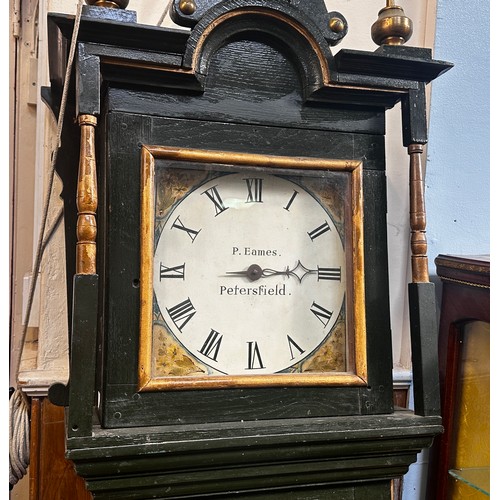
(458,163)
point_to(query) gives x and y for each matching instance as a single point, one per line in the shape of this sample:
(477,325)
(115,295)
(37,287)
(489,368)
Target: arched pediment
(283,27)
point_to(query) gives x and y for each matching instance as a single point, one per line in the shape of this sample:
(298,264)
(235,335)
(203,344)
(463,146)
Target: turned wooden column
(86,198)
(418,221)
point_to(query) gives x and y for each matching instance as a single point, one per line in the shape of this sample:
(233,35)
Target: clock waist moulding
(224,187)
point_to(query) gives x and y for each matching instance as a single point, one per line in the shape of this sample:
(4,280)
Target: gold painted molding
(355,288)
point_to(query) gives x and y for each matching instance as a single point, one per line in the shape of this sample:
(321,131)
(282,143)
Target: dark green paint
(257,88)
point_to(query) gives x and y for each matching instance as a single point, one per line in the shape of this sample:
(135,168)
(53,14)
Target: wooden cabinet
(51,475)
(460,457)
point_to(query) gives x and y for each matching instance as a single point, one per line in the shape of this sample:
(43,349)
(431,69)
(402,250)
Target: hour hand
(253,273)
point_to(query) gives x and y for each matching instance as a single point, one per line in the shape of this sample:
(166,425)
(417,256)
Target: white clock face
(249,273)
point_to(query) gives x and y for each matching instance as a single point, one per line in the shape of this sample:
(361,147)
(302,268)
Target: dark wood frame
(121,229)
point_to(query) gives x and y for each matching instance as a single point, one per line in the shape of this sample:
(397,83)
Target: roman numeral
(182,313)
(190,232)
(254,187)
(171,272)
(321,313)
(214,196)
(290,201)
(329,273)
(319,231)
(291,345)
(211,346)
(254,357)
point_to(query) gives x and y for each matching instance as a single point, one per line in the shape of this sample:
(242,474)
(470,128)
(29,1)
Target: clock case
(248,77)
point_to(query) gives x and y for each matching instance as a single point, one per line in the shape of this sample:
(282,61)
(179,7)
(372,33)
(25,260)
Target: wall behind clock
(458,162)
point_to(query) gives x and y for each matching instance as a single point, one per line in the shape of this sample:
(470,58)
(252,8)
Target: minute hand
(255,272)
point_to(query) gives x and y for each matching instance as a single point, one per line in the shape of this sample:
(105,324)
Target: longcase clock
(225,189)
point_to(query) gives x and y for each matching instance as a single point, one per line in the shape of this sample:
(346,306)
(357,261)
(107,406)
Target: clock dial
(249,273)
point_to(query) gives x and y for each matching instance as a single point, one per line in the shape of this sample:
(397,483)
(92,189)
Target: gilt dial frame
(355,373)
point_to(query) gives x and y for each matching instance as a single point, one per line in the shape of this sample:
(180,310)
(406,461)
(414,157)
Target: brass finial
(187,7)
(392,26)
(336,25)
(111,4)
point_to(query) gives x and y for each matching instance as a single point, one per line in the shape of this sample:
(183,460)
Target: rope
(19,428)
(162,18)
(18,403)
